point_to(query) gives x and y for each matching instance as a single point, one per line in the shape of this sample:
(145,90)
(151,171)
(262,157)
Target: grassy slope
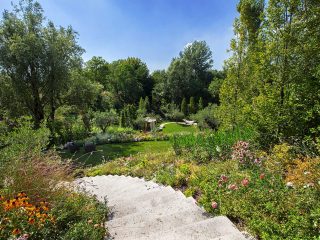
(111,151)
(172,128)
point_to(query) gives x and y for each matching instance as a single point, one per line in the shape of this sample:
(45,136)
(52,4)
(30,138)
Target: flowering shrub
(255,198)
(22,219)
(205,146)
(24,166)
(304,172)
(242,153)
(280,158)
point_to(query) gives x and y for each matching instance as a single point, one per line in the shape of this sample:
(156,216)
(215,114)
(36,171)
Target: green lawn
(111,151)
(172,128)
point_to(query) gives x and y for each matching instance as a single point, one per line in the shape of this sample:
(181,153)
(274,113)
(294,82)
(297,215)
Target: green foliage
(192,106)
(105,119)
(256,198)
(37,58)
(172,112)
(189,73)
(200,104)
(147,104)
(129,78)
(271,81)
(214,88)
(68,126)
(96,70)
(206,118)
(39,174)
(184,107)
(21,141)
(84,216)
(141,109)
(207,146)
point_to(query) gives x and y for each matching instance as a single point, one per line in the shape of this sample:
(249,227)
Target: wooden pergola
(150,123)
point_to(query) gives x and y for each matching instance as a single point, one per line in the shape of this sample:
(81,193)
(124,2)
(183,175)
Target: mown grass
(109,152)
(172,128)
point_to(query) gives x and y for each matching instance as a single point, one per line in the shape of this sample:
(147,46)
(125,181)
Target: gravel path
(143,210)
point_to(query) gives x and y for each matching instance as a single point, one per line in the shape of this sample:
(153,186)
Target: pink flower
(232,187)
(214,205)
(262,176)
(245,182)
(224,178)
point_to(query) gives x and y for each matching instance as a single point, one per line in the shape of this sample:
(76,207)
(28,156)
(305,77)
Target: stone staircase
(142,210)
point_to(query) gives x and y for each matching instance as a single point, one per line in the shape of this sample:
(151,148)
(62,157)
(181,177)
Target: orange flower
(44,208)
(31,220)
(16,231)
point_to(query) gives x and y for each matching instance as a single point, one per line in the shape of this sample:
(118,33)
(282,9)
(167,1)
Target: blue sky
(153,30)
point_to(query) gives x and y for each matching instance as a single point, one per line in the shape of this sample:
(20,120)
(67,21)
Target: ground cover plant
(249,187)
(35,204)
(209,145)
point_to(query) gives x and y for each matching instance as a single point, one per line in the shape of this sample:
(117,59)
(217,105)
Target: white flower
(218,149)
(289,184)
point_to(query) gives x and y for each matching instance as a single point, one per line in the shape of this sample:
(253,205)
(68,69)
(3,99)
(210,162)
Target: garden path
(163,124)
(142,210)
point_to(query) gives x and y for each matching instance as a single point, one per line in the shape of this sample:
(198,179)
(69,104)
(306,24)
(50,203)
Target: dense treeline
(273,79)
(41,66)
(270,83)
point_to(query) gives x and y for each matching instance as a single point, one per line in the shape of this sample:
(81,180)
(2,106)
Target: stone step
(149,201)
(143,210)
(213,228)
(138,225)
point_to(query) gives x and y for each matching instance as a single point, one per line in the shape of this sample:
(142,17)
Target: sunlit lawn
(172,128)
(109,152)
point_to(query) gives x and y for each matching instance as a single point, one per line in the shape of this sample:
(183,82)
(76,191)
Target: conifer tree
(184,107)
(200,104)
(192,106)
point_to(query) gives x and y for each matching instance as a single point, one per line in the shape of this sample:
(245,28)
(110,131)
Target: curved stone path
(144,210)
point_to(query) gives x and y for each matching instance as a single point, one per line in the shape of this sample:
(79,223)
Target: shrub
(206,146)
(205,118)
(20,217)
(254,198)
(172,112)
(304,172)
(27,168)
(105,119)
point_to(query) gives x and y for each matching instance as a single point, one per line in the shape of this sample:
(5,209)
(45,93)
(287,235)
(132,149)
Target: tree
(240,86)
(189,74)
(82,95)
(36,58)
(122,120)
(97,69)
(128,78)
(147,104)
(184,107)
(159,91)
(105,119)
(200,104)
(192,106)
(141,104)
(272,83)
